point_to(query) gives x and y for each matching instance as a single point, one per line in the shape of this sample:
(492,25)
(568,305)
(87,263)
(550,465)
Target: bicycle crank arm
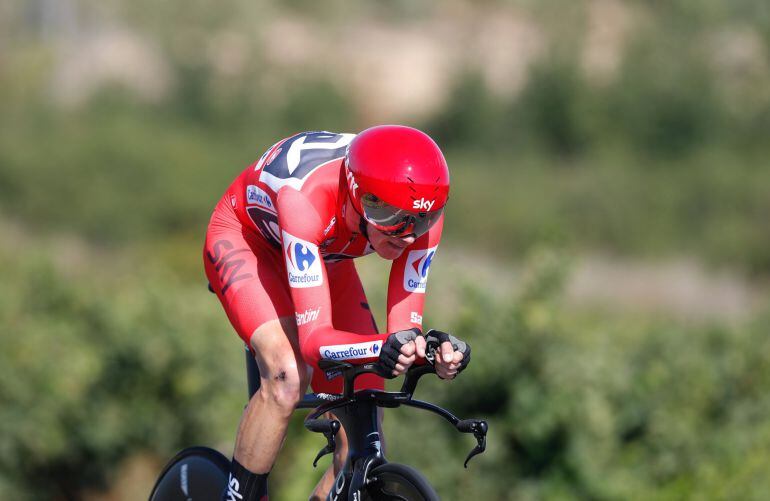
(479,429)
(329,428)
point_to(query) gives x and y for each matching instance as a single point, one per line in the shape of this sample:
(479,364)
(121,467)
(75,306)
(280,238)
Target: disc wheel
(398,482)
(196,473)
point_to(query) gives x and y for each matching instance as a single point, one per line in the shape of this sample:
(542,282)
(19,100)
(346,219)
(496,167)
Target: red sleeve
(301,231)
(408,280)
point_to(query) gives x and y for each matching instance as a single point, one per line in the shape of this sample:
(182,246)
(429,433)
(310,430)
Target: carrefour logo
(304,258)
(351,351)
(423,267)
(302,263)
(417,267)
(257,196)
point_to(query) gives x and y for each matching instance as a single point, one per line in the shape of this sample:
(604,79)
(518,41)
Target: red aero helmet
(397,179)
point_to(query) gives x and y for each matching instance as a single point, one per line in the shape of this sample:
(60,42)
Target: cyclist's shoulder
(305,162)
(296,178)
(305,210)
(305,149)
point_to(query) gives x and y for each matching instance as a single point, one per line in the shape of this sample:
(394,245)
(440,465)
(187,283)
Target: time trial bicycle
(201,473)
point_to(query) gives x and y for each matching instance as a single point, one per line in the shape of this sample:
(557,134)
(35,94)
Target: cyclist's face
(385,246)
(388,247)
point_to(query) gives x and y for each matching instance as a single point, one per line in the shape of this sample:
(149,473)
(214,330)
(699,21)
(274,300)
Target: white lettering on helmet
(352,185)
(423,204)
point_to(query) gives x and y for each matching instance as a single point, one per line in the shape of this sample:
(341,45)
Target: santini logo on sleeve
(308,316)
(303,264)
(351,351)
(417,267)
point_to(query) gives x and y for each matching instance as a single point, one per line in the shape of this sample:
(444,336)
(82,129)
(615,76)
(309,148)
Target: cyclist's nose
(408,240)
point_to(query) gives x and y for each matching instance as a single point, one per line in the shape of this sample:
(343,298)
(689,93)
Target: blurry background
(606,252)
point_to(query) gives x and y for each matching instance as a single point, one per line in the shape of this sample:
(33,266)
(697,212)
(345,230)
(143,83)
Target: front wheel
(393,481)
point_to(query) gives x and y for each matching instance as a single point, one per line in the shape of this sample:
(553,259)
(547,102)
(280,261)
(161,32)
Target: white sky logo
(423,204)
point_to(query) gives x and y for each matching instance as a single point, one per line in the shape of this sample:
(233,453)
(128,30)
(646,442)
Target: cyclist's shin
(243,485)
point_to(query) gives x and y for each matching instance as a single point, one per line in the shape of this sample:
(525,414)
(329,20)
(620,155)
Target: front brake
(329,428)
(479,429)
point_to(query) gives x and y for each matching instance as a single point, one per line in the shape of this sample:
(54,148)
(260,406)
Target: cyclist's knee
(286,385)
(284,374)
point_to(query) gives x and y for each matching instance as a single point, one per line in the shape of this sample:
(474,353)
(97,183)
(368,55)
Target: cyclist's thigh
(247,276)
(350,312)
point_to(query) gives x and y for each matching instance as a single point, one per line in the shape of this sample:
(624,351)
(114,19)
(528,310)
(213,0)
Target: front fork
(364,442)
(351,480)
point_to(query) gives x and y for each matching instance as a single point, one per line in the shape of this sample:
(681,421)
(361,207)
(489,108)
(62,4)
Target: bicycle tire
(398,482)
(195,473)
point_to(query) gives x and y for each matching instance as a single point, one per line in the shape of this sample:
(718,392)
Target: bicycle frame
(359,418)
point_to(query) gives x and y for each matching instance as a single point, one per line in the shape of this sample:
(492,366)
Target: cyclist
(278,254)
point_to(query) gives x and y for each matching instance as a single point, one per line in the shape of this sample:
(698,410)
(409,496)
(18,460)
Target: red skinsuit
(277,246)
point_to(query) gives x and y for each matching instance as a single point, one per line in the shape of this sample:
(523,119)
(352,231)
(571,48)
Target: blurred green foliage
(660,161)
(99,366)
(114,348)
(603,408)
(101,363)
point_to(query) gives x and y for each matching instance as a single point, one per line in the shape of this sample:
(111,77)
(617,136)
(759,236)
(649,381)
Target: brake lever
(479,429)
(329,428)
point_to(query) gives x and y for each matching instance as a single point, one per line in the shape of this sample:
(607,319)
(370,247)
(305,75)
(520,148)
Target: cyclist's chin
(387,250)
